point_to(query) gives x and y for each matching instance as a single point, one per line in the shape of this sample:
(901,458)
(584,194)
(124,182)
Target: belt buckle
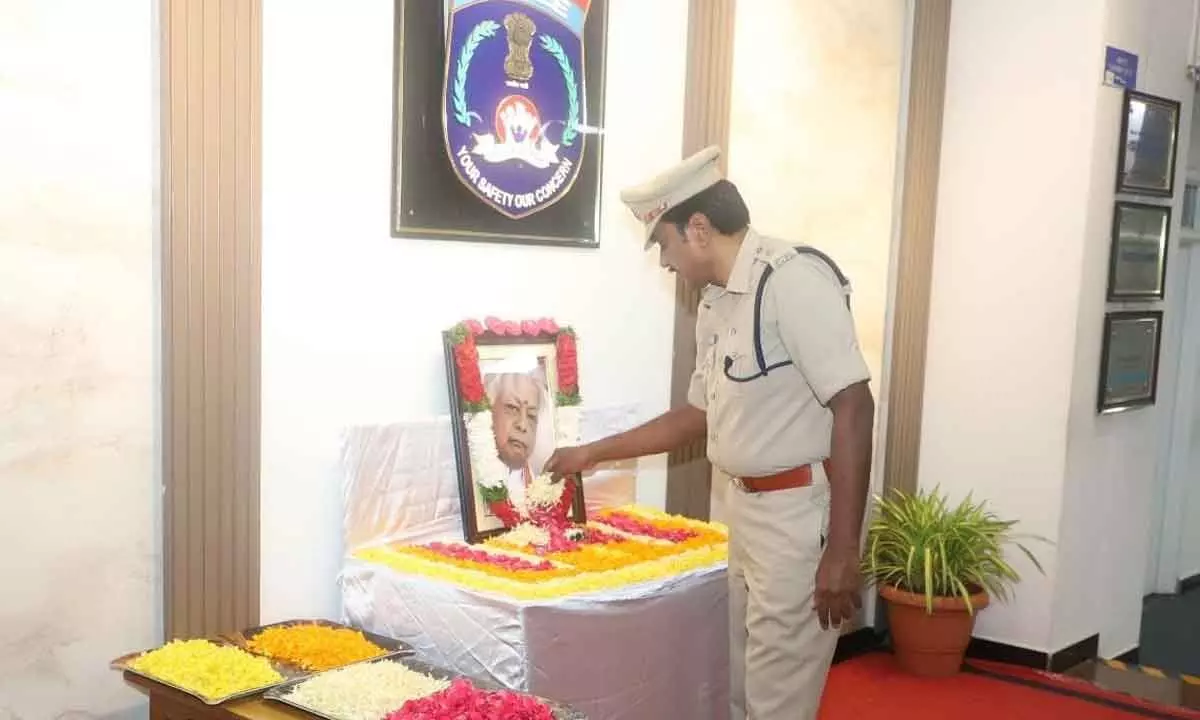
(740,484)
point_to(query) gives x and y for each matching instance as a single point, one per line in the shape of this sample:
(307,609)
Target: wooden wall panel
(705,122)
(211,284)
(918,211)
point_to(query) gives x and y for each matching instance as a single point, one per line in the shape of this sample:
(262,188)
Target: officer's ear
(700,228)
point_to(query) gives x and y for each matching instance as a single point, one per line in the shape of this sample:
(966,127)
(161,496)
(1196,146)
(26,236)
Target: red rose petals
(508,562)
(505,511)
(463,701)
(470,380)
(568,362)
(626,523)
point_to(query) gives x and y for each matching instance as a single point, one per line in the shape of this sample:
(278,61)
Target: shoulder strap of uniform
(761,291)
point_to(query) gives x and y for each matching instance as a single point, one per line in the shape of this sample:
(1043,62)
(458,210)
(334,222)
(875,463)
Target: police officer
(781,392)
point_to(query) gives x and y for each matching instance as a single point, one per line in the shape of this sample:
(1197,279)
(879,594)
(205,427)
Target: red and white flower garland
(545,503)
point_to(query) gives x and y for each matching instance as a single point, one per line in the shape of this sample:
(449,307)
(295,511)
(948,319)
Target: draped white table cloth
(654,651)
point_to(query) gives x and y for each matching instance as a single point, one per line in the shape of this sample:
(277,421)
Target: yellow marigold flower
(207,669)
(314,647)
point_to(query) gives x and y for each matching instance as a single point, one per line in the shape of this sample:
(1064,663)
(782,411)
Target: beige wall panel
(212,288)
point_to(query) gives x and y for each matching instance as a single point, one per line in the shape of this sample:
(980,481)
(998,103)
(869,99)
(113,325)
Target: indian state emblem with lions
(514,91)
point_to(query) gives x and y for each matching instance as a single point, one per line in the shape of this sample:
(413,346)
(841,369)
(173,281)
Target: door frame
(1163,571)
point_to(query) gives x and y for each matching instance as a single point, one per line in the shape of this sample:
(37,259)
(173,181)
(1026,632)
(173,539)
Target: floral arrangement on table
(616,548)
(392,691)
(546,503)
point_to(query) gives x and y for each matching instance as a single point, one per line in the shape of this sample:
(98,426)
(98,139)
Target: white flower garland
(541,494)
(487,468)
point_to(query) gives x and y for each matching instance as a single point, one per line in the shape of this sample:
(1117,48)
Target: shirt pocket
(736,364)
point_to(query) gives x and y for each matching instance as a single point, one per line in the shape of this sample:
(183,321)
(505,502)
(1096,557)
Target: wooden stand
(169,704)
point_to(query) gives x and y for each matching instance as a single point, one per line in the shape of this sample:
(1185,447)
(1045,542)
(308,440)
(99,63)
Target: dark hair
(722,204)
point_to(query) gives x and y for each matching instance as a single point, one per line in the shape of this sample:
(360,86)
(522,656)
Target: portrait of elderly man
(522,424)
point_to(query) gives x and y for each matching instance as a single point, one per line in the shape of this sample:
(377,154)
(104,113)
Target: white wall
(1113,460)
(1014,180)
(352,317)
(78,385)
(1025,206)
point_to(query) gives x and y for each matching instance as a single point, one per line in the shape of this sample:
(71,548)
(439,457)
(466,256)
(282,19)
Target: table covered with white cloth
(647,652)
(650,651)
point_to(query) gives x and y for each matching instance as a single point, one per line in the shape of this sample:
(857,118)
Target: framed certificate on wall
(1149,143)
(1129,360)
(1137,265)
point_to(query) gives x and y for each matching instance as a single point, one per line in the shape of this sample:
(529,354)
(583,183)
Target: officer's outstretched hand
(567,461)
(839,586)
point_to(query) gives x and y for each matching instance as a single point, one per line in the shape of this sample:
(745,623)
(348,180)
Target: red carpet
(871,686)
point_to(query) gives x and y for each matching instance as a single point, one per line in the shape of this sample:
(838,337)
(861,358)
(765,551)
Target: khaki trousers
(779,655)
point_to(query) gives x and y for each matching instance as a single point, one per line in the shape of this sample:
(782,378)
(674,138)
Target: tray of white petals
(379,689)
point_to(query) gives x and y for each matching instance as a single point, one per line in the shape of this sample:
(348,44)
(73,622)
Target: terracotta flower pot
(930,645)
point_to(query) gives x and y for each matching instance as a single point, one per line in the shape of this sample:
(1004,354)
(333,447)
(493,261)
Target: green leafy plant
(919,544)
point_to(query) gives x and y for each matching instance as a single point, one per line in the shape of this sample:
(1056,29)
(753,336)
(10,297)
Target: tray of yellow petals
(213,671)
(317,645)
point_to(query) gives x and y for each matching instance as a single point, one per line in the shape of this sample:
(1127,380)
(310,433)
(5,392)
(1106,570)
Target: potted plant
(936,566)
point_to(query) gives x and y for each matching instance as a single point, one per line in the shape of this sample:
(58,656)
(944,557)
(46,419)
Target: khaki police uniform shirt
(779,421)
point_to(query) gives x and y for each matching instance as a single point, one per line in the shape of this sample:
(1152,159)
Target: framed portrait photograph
(514,395)
(1129,360)
(1137,265)
(497,111)
(1149,141)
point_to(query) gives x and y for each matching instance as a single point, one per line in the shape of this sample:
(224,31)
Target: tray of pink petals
(464,700)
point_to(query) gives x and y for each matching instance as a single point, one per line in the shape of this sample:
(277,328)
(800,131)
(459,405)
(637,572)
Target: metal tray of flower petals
(391,646)
(283,693)
(288,675)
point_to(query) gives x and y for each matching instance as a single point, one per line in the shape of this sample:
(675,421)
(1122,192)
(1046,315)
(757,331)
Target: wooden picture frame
(1129,360)
(1137,264)
(439,205)
(1149,145)
(514,398)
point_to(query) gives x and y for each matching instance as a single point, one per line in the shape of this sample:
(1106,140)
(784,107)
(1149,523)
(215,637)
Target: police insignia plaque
(513,100)
(520,160)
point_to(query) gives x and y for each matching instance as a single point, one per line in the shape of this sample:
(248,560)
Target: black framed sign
(1129,360)
(1149,141)
(1137,264)
(497,105)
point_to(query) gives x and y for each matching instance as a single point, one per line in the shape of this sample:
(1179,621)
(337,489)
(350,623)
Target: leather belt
(786,480)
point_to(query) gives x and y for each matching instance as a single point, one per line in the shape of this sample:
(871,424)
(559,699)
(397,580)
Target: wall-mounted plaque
(1129,360)
(497,109)
(1137,266)
(1149,138)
